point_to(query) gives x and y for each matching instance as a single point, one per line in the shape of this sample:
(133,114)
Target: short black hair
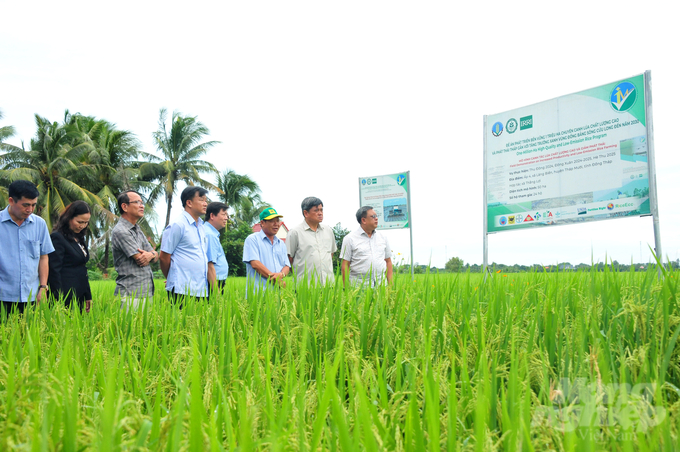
(123,198)
(214,208)
(362,212)
(22,189)
(309,202)
(189,193)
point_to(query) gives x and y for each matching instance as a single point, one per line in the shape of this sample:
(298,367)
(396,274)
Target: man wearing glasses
(366,255)
(132,252)
(265,254)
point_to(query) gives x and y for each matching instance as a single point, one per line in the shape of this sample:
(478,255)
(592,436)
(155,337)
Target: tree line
(90,159)
(456,265)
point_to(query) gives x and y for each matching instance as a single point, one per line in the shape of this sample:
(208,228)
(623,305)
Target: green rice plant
(534,361)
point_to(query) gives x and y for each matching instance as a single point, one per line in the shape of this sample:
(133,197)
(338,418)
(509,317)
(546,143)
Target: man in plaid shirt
(132,252)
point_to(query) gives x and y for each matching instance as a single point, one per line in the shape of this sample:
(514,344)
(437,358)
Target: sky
(307,96)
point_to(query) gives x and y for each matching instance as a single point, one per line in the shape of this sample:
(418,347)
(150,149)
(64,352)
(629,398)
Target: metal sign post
(485,218)
(410,217)
(651,161)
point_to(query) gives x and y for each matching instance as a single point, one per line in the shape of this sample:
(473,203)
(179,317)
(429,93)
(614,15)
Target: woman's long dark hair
(72,210)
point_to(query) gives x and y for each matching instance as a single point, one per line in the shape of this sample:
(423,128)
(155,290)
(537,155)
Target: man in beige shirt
(311,245)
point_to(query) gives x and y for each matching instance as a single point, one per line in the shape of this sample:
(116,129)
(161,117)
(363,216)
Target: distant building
(282,234)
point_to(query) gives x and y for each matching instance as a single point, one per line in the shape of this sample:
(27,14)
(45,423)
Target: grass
(539,361)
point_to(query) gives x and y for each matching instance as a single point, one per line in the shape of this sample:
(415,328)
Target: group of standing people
(191,256)
(309,247)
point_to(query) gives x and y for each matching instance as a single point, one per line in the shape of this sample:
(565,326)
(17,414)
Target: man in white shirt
(366,255)
(311,245)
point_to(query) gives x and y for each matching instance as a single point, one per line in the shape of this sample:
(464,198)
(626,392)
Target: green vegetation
(454,265)
(442,362)
(6,132)
(232,241)
(340,233)
(242,194)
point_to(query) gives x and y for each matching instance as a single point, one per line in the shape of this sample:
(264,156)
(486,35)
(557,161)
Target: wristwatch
(43,286)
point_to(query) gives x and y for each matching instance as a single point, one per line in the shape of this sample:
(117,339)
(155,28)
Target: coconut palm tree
(249,209)
(181,150)
(235,188)
(241,194)
(114,160)
(114,157)
(54,164)
(5,133)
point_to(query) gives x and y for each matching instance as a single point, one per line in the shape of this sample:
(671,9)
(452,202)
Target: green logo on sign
(511,125)
(623,96)
(526,122)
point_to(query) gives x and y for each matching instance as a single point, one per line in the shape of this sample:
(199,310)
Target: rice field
(519,362)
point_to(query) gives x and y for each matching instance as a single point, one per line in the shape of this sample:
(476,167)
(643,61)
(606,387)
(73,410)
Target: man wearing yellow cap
(265,254)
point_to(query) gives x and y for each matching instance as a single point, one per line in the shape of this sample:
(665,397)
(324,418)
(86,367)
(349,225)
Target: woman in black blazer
(68,275)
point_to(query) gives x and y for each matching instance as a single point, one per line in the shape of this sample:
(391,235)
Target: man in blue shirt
(26,242)
(216,218)
(265,254)
(184,247)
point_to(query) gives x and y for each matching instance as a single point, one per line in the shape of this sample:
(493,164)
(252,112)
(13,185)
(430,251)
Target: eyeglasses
(141,203)
(374,216)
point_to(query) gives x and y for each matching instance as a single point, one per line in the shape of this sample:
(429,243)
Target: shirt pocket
(362,252)
(34,249)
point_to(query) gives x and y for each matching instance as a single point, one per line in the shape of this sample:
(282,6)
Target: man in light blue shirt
(26,242)
(265,254)
(184,247)
(216,218)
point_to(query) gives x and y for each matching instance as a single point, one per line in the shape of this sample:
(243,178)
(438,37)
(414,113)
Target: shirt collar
(305,225)
(362,232)
(5,216)
(264,236)
(190,219)
(126,223)
(210,228)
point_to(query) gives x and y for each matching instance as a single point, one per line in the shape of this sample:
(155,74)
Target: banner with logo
(389,197)
(580,157)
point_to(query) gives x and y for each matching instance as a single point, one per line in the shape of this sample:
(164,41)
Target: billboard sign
(576,158)
(389,197)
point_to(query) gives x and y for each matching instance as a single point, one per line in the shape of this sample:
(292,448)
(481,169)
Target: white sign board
(580,157)
(389,197)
